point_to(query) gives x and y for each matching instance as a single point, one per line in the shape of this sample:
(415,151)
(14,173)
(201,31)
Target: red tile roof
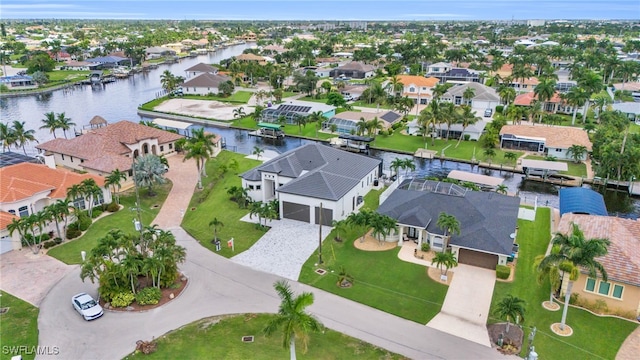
(622,262)
(527,98)
(21,181)
(555,136)
(6,218)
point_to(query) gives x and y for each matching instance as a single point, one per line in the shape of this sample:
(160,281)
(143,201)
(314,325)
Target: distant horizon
(328,10)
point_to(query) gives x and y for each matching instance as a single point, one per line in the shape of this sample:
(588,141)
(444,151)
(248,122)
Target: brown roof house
(353,69)
(204,84)
(548,140)
(622,262)
(27,188)
(114,146)
(200,68)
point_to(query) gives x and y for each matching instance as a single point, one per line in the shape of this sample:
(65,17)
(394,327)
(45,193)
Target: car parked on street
(86,306)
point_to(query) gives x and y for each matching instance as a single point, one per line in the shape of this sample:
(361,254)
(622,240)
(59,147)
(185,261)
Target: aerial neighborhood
(343,189)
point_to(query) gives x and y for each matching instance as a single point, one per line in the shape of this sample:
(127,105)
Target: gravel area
(201,108)
(283,249)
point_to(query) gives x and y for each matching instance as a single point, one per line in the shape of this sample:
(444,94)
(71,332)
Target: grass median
(19,326)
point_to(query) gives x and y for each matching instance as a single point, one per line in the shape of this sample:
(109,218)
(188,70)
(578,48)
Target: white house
(484,97)
(204,84)
(548,140)
(313,176)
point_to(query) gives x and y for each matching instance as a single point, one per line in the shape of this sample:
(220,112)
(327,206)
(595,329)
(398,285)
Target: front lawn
(464,151)
(593,338)
(213,202)
(68,75)
(69,251)
(222,337)
(573,169)
(19,325)
(381,280)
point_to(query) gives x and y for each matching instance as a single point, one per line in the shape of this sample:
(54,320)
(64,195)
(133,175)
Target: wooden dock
(556,180)
(424,153)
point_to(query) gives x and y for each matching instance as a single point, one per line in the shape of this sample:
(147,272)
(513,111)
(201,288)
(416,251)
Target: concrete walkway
(466,306)
(630,347)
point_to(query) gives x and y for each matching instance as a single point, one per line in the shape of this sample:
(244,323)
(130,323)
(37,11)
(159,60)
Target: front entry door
(413,233)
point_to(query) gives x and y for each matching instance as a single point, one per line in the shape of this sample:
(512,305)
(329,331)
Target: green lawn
(593,337)
(203,338)
(286,94)
(69,252)
(634,128)
(574,169)
(381,279)
(214,201)
(322,100)
(362,103)
(19,326)
(465,151)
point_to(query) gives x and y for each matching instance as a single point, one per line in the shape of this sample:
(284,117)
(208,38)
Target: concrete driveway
(466,307)
(29,276)
(283,249)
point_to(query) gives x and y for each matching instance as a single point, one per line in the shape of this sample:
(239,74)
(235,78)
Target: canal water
(119,101)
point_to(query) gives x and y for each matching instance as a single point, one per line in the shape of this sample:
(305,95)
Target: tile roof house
(200,68)
(553,105)
(27,188)
(622,262)
(549,140)
(204,84)
(112,146)
(346,121)
(314,175)
(418,88)
(487,219)
(353,69)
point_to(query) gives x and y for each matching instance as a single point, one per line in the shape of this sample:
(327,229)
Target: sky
(321,10)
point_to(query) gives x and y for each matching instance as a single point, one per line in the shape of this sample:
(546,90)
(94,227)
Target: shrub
(57,240)
(73,233)
(503,272)
(113,207)
(44,237)
(123,299)
(466,137)
(499,109)
(48,244)
(72,226)
(96,213)
(574,299)
(84,222)
(148,296)
(425,247)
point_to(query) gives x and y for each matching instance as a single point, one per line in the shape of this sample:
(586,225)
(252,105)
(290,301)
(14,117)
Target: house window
(250,187)
(62,156)
(458,100)
(558,150)
(23,211)
(590,286)
(604,288)
(280,185)
(258,187)
(12,212)
(99,200)
(617,291)
(79,203)
(170,146)
(72,159)
(161,147)
(412,89)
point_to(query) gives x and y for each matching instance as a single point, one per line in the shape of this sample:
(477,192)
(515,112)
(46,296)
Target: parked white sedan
(87,306)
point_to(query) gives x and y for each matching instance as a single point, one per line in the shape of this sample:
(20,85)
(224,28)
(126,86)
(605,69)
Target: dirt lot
(200,108)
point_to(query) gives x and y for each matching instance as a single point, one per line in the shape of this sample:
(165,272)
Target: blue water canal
(119,101)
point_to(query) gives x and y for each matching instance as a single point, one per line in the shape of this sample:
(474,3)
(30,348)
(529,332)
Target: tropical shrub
(96,213)
(499,109)
(73,233)
(123,299)
(57,240)
(84,221)
(425,247)
(48,244)
(503,272)
(148,296)
(113,207)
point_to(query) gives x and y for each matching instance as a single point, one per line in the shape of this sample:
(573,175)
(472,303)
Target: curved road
(218,286)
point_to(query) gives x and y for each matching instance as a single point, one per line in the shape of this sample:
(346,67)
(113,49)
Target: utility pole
(137,222)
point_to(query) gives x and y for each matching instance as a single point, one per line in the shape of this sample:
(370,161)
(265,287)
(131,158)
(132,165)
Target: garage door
(296,211)
(476,258)
(327,216)
(5,244)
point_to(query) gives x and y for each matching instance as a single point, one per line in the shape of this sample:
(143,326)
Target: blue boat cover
(579,200)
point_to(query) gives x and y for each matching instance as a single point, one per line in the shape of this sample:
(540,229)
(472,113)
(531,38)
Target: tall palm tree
(168,81)
(468,94)
(114,179)
(396,164)
(449,116)
(576,152)
(576,252)
(395,86)
(22,136)
(511,308)
(549,271)
(576,96)
(7,136)
(591,82)
(61,211)
(467,117)
(360,219)
(449,224)
(444,259)
(91,192)
(361,126)
(408,164)
(199,152)
(64,123)
(292,318)
(21,226)
(50,122)
(545,91)
(216,224)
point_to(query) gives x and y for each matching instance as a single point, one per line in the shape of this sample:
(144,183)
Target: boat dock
(353,143)
(268,131)
(424,154)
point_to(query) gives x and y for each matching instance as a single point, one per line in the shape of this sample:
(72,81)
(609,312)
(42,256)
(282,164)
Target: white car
(87,306)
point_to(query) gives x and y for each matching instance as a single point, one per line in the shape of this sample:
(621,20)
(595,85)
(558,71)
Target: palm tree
(7,136)
(511,156)
(22,136)
(449,116)
(408,164)
(257,113)
(360,219)
(21,226)
(295,322)
(576,252)
(238,113)
(50,122)
(489,153)
(502,189)
(199,152)
(64,123)
(148,170)
(549,271)
(507,94)
(511,308)
(257,151)
(396,164)
(216,224)
(444,259)
(168,81)
(576,152)
(114,179)
(449,224)
(468,117)
(545,91)
(576,96)
(468,94)
(361,126)
(395,86)
(591,83)
(91,191)
(301,121)
(373,126)
(61,210)
(339,227)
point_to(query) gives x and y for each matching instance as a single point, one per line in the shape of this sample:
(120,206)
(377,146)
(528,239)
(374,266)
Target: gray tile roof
(482,92)
(206,80)
(319,171)
(486,218)
(202,67)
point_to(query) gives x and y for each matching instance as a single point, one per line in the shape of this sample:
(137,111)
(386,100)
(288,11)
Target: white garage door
(5,244)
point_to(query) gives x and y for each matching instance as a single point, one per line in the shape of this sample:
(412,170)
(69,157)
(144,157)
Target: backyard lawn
(381,280)
(465,151)
(19,325)
(222,337)
(69,251)
(579,170)
(593,338)
(213,202)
